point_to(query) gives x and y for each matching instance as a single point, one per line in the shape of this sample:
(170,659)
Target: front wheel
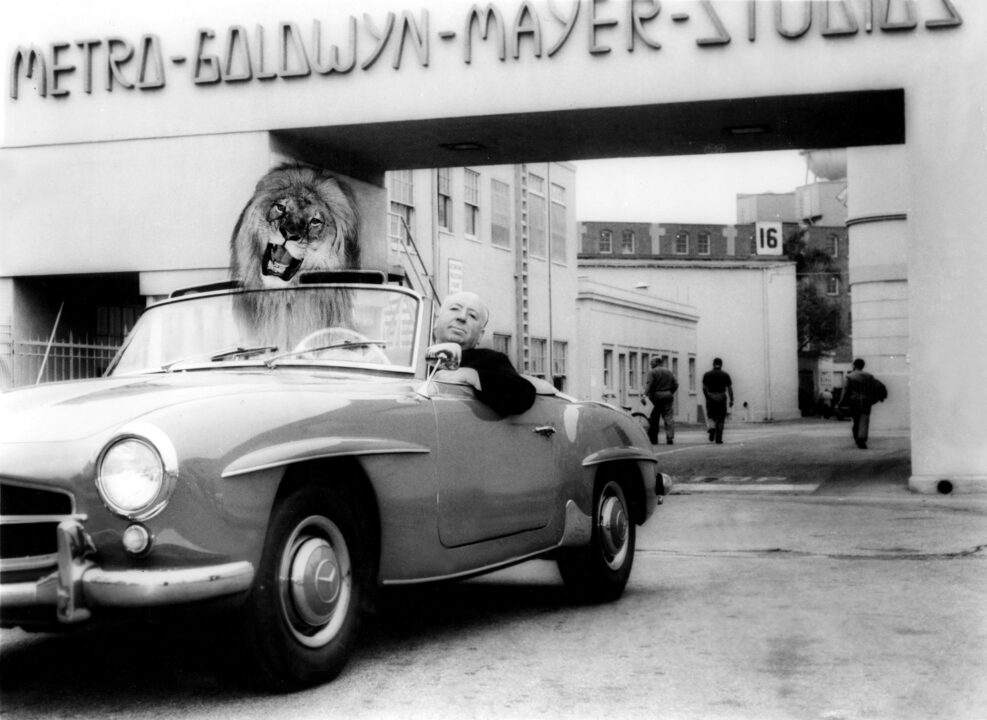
(317,571)
(599,571)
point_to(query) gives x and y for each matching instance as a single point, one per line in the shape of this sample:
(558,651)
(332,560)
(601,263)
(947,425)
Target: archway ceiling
(812,121)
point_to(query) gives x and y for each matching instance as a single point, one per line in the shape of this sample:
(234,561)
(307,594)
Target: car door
(495,475)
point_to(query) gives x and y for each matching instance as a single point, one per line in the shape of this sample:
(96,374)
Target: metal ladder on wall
(524,330)
(414,266)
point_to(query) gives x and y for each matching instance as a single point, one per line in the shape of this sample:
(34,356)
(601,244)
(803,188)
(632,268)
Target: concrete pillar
(877,222)
(947,174)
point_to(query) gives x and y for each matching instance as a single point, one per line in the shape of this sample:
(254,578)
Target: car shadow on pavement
(107,668)
(157,663)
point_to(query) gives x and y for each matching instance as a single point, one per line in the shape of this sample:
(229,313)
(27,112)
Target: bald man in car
(459,325)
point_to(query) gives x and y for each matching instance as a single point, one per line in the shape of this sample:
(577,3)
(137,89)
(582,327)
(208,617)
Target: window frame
(700,238)
(558,238)
(681,235)
(471,203)
(537,217)
(498,213)
(443,198)
(625,247)
(833,245)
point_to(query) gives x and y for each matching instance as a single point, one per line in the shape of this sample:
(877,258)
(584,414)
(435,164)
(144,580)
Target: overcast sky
(690,189)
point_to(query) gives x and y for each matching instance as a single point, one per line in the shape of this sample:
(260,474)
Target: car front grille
(28,518)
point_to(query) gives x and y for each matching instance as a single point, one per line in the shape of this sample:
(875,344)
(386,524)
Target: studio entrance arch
(171,116)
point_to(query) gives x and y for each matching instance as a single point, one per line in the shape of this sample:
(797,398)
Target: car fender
(295,451)
(614,454)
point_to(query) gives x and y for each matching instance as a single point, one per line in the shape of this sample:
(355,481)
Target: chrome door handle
(546,430)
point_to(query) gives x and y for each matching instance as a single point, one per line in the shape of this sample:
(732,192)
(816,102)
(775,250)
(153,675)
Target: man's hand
(462,376)
(450,352)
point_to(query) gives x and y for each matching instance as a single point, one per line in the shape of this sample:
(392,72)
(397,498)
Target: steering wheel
(347,343)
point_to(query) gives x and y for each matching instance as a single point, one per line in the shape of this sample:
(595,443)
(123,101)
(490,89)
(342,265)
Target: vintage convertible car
(241,450)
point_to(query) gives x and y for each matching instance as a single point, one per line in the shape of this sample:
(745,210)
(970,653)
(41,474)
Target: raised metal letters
(293,50)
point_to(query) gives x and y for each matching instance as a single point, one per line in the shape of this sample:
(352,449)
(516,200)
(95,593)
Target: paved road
(804,456)
(857,601)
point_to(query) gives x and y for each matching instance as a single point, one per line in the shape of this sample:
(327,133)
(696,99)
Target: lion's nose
(288,235)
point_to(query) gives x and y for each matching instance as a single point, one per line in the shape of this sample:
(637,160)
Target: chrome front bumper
(78,585)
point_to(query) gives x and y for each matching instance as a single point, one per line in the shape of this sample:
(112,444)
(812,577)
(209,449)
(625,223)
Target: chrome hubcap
(613,529)
(315,581)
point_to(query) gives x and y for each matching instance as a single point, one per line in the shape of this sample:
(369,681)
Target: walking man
(860,391)
(660,389)
(718,390)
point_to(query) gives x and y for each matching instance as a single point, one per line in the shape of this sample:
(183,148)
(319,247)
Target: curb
(743,484)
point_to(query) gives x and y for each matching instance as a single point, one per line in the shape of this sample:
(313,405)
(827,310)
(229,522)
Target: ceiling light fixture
(748,129)
(463,146)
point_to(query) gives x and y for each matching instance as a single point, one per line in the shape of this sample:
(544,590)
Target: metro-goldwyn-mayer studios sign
(296,49)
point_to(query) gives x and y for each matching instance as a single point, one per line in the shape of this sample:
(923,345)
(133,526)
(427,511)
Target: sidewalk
(803,456)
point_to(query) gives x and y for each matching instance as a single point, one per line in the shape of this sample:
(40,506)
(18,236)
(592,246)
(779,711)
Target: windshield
(365,326)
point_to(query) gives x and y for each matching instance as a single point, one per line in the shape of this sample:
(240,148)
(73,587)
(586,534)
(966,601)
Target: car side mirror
(440,361)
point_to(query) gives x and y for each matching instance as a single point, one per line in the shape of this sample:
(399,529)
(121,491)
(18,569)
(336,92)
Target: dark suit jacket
(504,389)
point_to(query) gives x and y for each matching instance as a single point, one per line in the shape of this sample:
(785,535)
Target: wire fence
(27,362)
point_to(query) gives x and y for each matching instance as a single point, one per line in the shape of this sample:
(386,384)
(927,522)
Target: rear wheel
(599,571)
(316,574)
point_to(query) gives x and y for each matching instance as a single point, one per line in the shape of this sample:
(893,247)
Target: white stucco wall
(632,324)
(746,318)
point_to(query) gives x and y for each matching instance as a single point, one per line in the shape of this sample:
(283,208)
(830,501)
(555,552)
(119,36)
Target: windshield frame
(420,339)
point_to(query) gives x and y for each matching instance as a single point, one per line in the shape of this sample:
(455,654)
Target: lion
(300,218)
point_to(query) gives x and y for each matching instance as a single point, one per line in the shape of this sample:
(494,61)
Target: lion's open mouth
(279,262)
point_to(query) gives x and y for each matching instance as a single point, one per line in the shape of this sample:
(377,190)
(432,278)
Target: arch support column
(877,226)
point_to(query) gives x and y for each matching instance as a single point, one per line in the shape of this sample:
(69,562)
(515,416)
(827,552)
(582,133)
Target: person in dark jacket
(660,388)
(718,390)
(860,391)
(458,327)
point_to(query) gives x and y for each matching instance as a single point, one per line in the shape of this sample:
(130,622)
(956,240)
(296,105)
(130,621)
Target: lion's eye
(277,210)
(315,223)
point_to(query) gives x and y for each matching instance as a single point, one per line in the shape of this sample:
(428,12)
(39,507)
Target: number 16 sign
(769,239)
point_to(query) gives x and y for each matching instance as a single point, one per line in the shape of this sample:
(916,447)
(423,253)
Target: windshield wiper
(242,352)
(319,348)
(221,355)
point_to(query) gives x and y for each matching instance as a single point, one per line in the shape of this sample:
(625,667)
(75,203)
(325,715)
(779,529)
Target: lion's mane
(297,201)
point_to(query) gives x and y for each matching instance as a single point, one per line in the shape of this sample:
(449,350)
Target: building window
(682,243)
(752,243)
(833,285)
(537,241)
(627,242)
(702,243)
(399,220)
(558,224)
(539,347)
(444,199)
(500,213)
(402,211)
(607,370)
(471,196)
(606,242)
(632,371)
(692,374)
(560,363)
(502,343)
(833,245)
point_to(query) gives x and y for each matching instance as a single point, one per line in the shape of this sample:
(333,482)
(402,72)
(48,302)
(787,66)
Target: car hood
(74,410)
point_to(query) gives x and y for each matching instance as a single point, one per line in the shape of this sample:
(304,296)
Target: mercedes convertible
(288,453)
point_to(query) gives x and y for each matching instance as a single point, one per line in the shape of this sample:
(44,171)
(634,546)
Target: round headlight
(132,479)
